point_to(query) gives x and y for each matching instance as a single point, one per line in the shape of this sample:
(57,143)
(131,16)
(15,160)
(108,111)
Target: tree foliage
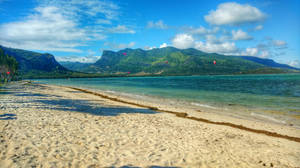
(8,67)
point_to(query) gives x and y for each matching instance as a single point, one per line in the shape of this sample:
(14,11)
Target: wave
(110,91)
(203,105)
(268,118)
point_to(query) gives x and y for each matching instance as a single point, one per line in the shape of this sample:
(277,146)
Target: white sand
(54,127)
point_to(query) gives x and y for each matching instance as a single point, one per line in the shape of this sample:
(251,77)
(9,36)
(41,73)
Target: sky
(79,30)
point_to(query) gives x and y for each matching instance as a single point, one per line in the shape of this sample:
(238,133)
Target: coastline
(60,126)
(267,105)
(232,116)
(186,115)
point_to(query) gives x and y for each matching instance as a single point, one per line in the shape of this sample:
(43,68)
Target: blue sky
(77,30)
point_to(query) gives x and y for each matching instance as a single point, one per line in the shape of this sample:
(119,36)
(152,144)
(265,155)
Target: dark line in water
(185,115)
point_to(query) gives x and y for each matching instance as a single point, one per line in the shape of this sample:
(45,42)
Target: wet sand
(53,126)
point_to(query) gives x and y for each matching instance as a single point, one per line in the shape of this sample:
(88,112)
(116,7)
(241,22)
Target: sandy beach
(55,126)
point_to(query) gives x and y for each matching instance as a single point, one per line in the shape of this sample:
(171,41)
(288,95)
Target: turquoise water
(268,92)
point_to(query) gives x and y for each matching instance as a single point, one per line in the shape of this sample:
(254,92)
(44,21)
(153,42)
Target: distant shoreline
(152,75)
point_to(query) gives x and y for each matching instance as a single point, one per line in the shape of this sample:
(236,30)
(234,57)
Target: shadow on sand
(86,106)
(34,95)
(8,117)
(83,106)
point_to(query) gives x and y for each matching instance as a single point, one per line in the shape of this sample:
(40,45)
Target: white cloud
(232,13)
(118,46)
(211,45)
(222,48)
(163,45)
(295,63)
(223,45)
(278,43)
(158,25)
(254,51)
(121,29)
(81,9)
(259,27)
(183,41)
(60,25)
(86,59)
(240,35)
(250,52)
(46,29)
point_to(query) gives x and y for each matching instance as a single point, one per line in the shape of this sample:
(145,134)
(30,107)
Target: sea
(275,97)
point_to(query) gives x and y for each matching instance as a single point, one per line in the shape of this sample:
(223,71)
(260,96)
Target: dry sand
(52,126)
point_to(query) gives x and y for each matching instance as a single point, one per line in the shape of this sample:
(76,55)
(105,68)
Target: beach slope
(53,126)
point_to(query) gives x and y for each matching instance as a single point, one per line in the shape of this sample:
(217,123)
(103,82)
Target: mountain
(34,64)
(173,61)
(268,62)
(75,66)
(138,62)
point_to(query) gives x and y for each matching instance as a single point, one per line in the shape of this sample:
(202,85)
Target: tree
(8,67)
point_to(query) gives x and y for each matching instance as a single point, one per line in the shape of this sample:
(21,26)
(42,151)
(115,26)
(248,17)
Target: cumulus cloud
(224,45)
(222,48)
(183,41)
(250,52)
(240,35)
(211,45)
(232,13)
(58,25)
(253,51)
(47,29)
(121,29)
(163,45)
(118,46)
(157,25)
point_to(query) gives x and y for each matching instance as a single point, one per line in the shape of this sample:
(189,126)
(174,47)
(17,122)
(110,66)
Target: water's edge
(233,96)
(186,116)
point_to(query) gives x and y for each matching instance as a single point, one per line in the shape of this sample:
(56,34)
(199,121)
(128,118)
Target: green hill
(173,61)
(138,62)
(33,64)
